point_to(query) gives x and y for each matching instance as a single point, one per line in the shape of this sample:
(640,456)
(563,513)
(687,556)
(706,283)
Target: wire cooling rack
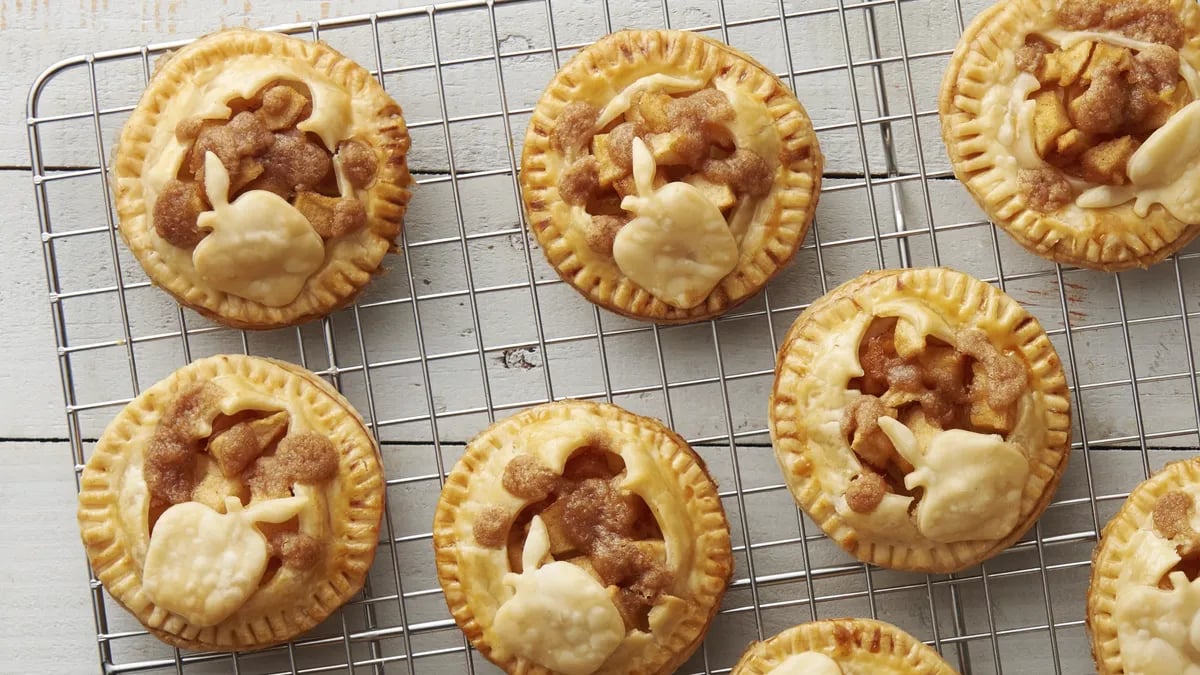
(470,325)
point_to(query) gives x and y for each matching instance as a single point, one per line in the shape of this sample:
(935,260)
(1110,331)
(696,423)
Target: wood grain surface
(1127,336)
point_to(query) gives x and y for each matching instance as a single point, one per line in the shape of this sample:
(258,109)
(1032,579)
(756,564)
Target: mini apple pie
(1143,605)
(1072,123)
(262,178)
(579,538)
(842,647)
(921,418)
(233,505)
(668,176)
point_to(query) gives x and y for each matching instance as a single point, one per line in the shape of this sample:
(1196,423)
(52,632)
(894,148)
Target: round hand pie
(262,178)
(579,538)
(1143,607)
(1073,123)
(668,176)
(921,418)
(842,647)
(233,505)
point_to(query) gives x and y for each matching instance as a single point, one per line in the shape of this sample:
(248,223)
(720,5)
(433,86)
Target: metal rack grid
(471,325)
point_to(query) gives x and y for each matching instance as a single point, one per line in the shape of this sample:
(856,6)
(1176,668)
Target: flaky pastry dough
(841,647)
(1143,603)
(580,538)
(1069,121)
(233,505)
(715,202)
(261,178)
(920,417)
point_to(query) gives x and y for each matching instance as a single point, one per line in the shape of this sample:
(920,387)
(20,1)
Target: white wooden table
(489,348)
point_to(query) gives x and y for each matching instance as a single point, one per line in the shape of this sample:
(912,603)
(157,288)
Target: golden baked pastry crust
(768,222)
(1021,189)
(924,378)
(321,554)
(1151,539)
(568,461)
(857,646)
(349,121)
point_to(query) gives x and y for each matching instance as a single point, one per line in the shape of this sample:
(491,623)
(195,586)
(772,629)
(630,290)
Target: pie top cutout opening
(924,404)
(664,176)
(279,173)
(217,467)
(590,521)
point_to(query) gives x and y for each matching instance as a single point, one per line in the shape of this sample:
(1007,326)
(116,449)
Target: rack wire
(470,325)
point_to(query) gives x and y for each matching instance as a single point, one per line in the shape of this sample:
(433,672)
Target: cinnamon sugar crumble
(703,110)
(1046,189)
(587,513)
(861,424)
(575,126)
(1005,377)
(358,163)
(170,455)
(744,171)
(603,232)
(283,107)
(176,211)
(491,527)
(240,444)
(1156,66)
(168,468)
(1172,514)
(296,549)
(191,413)
(294,163)
(620,149)
(242,138)
(1146,20)
(527,477)
(307,457)
(1029,57)
(580,181)
(865,492)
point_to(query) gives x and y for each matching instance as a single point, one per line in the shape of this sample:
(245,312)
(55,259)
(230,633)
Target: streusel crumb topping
(591,522)
(262,149)
(197,453)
